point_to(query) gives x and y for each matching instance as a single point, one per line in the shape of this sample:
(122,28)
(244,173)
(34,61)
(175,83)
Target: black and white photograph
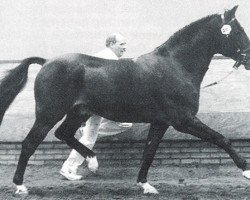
(130,100)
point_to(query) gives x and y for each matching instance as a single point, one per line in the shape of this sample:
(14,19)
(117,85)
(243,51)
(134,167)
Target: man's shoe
(70,176)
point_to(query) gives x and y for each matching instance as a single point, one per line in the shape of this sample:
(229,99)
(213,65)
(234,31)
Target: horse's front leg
(196,128)
(155,135)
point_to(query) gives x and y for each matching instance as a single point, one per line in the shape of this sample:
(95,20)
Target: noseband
(242,58)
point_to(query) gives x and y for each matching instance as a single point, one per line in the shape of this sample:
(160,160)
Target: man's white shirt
(106,54)
(108,127)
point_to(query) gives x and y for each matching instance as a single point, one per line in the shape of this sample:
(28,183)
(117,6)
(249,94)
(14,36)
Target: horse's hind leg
(36,135)
(195,127)
(67,131)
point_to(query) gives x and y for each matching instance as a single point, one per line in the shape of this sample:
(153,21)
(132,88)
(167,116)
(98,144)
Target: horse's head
(234,42)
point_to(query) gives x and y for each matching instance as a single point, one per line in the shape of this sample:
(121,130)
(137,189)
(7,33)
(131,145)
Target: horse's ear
(230,14)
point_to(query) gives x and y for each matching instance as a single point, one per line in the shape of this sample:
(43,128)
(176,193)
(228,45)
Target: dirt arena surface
(173,182)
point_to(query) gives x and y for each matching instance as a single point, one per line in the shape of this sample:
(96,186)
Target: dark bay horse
(161,88)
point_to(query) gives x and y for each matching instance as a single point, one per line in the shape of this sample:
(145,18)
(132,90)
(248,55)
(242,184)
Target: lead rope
(222,79)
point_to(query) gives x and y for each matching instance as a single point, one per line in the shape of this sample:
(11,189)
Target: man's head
(116,42)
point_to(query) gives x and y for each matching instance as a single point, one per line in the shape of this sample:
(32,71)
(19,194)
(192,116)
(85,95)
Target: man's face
(119,47)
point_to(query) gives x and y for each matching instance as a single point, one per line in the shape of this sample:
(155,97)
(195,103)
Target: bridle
(241,58)
(242,53)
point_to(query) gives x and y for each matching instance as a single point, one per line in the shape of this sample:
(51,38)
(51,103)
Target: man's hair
(111,39)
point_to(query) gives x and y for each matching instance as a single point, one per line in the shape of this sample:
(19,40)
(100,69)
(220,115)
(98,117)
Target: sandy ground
(173,182)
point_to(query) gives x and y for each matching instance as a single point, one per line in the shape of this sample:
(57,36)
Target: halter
(241,58)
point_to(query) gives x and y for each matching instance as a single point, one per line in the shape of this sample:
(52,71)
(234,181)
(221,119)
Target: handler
(115,48)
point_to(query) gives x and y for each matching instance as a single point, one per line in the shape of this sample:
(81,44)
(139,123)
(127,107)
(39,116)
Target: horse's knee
(61,131)
(64,132)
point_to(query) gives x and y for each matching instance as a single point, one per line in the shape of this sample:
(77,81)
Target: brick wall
(129,153)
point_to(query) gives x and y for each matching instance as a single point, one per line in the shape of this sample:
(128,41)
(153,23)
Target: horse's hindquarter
(57,84)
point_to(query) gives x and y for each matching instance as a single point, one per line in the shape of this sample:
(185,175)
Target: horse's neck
(192,56)
(193,47)
(196,59)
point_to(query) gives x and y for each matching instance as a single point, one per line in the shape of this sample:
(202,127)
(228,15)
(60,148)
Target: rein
(222,79)
(242,59)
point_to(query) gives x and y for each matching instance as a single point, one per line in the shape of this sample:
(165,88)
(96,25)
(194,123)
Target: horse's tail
(14,82)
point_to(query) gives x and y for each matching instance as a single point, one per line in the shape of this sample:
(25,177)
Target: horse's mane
(186,33)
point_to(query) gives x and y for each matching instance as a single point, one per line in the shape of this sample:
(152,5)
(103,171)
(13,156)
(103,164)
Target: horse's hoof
(21,190)
(92,164)
(246,174)
(148,189)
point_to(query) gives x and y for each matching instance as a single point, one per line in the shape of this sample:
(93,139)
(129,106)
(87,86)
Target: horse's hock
(229,114)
